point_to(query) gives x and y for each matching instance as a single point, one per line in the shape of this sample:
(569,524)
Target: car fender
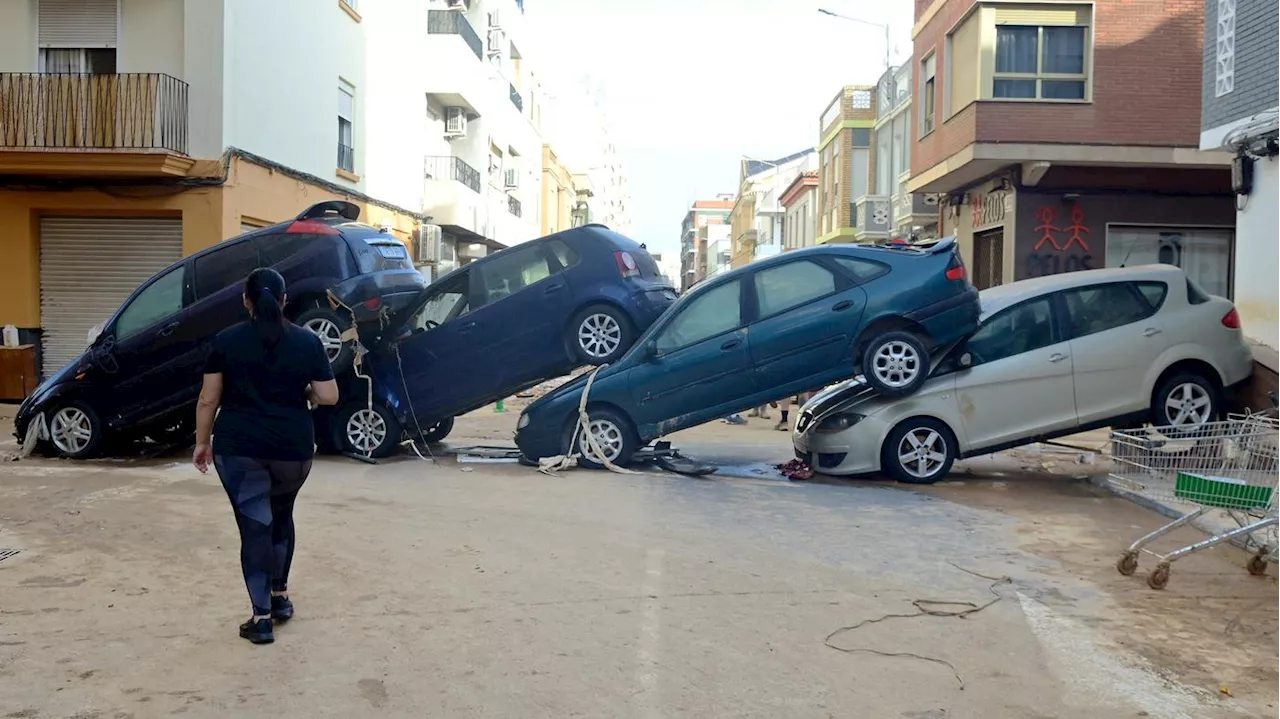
(1178,353)
(309,287)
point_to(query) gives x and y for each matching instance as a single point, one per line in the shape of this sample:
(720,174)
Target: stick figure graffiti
(1076,227)
(1046,214)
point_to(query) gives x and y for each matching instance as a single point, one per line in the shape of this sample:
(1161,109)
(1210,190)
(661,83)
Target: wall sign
(987,209)
(1059,248)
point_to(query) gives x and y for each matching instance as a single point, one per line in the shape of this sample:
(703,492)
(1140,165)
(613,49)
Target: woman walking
(261,374)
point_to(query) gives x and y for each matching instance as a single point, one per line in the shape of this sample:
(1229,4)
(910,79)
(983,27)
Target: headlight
(523,422)
(838,423)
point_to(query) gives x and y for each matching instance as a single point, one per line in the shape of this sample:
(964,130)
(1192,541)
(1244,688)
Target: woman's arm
(322,392)
(206,408)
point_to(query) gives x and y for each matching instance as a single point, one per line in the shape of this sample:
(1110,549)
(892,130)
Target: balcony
(346,158)
(872,217)
(451,193)
(445,167)
(513,206)
(914,209)
(515,98)
(454,22)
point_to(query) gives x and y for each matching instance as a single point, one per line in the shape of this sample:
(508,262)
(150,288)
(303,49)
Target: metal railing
(516,99)
(453,22)
(447,167)
(132,111)
(513,206)
(346,157)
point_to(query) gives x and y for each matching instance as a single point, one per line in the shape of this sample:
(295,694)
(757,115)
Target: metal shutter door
(88,267)
(78,23)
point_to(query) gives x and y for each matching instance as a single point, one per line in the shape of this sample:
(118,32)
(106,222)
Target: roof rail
(342,208)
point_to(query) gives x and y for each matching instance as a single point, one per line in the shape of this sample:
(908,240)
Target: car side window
(225,267)
(159,301)
(1155,292)
(715,312)
(862,270)
(513,271)
(1195,295)
(567,256)
(1103,307)
(1022,328)
(784,287)
(447,302)
(277,248)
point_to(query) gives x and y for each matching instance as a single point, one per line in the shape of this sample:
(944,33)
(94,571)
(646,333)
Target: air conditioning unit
(463,5)
(427,245)
(495,20)
(455,122)
(497,43)
(512,178)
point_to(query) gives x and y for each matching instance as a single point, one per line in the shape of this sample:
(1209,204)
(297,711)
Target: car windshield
(445,302)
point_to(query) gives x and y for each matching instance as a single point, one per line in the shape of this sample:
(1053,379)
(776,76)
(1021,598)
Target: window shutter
(78,23)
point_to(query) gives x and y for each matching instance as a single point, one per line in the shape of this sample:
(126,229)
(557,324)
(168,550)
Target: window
(781,288)
(1195,295)
(446,303)
(928,93)
(274,249)
(160,300)
(564,253)
(1040,62)
(346,126)
(511,272)
(1104,307)
(1205,254)
(862,270)
(714,313)
(1154,292)
(1013,331)
(224,268)
(92,61)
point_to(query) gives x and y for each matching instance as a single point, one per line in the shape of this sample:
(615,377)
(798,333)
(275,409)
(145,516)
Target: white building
(576,124)
(769,180)
(719,249)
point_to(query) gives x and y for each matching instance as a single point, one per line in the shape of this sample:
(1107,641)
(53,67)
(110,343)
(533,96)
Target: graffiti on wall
(987,209)
(1059,247)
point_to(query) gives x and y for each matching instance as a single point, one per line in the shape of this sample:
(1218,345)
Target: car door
(441,362)
(702,362)
(521,314)
(143,348)
(1020,383)
(1115,339)
(807,314)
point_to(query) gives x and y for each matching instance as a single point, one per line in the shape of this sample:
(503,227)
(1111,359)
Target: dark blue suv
(499,325)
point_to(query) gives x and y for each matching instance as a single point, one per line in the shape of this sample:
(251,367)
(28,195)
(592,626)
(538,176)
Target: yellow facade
(558,193)
(742,226)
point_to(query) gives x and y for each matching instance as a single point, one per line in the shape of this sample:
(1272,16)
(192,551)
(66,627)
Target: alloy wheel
(608,435)
(329,334)
(1188,405)
(599,335)
(71,430)
(922,452)
(896,364)
(366,430)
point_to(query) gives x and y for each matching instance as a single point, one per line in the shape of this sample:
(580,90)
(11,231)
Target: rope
(551,465)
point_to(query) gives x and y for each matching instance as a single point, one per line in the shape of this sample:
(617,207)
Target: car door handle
(1057,357)
(554,288)
(168,329)
(842,306)
(730,344)
(1151,332)
(467,327)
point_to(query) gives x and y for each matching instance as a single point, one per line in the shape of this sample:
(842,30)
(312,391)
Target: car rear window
(1195,295)
(644,261)
(387,254)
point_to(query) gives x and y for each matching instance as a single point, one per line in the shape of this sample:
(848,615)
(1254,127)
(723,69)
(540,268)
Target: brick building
(844,157)
(1064,136)
(693,247)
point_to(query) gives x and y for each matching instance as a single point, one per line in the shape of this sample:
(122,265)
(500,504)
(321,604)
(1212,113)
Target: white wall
(18,30)
(204,68)
(1257,228)
(152,37)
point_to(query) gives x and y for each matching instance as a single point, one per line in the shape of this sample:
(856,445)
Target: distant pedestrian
(261,374)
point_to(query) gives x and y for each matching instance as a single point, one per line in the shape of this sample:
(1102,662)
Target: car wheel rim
(329,334)
(1188,405)
(366,430)
(922,452)
(71,430)
(896,364)
(599,335)
(608,435)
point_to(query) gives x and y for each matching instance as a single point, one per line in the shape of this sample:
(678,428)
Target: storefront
(981,219)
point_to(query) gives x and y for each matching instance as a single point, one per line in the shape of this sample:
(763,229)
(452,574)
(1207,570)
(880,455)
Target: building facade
(576,124)
(844,156)
(716,242)
(757,215)
(693,243)
(1239,114)
(1023,120)
(799,202)
(559,197)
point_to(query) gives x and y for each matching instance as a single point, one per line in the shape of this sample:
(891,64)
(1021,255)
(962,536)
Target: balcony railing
(873,214)
(445,167)
(516,99)
(133,111)
(513,205)
(453,22)
(346,157)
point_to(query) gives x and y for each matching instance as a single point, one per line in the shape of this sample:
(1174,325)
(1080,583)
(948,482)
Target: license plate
(393,252)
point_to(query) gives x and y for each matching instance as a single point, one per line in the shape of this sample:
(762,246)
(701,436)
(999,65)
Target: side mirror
(95,332)
(651,349)
(966,360)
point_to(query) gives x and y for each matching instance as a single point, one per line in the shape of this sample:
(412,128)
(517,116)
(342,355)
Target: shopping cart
(1229,465)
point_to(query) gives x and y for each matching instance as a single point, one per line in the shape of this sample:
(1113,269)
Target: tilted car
(497,326)
(141,374)
(1054,356)
(768,330)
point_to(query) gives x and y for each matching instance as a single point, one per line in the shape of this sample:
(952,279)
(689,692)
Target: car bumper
(1237,367)
(951,319)
(372,294)
(539,439)
(650,304)
(854,451)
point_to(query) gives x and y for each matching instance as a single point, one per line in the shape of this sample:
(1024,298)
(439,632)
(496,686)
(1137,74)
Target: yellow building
(558,194)
(844,171)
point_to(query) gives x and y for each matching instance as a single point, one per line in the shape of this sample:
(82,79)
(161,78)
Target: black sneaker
(281,609)
(258,632)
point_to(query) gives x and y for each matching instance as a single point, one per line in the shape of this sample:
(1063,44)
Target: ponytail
(264,288)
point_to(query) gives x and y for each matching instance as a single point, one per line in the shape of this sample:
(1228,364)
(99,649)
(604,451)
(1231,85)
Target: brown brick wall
(1147,68)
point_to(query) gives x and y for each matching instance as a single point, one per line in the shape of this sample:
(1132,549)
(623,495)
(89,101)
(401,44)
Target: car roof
(997,298)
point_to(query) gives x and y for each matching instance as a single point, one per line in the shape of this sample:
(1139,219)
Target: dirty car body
(1054,356)
(774,328)
(141,375)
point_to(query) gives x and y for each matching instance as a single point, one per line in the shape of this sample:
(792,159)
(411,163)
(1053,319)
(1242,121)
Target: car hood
(570,388)
(856,395)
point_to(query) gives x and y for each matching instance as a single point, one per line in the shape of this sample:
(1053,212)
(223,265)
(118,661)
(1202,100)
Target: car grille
(829,460)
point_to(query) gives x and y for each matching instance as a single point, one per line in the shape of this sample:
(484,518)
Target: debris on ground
(796,470)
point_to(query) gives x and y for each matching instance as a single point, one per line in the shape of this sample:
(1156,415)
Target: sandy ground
(493,591)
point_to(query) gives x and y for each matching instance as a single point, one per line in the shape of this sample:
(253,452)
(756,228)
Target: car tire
(329,326)
(1185,396)
(75,431)
(934,444)
(438,431)
(367,431)
(895,363)
(599,334)
(618,439)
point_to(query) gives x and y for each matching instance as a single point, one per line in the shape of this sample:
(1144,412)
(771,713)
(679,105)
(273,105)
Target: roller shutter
(78,23)
(88,267)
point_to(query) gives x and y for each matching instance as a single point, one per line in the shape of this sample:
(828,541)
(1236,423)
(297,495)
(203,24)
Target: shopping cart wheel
(1158,577)
(1257,565)
(1128,564)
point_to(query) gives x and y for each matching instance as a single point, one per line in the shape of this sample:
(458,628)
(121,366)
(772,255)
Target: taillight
(1231,320)
(373,303)
(956,273)
(626,264)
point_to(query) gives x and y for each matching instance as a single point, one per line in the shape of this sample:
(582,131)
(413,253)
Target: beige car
(1053,356)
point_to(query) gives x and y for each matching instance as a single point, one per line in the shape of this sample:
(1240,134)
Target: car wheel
(329,326)
(600,334)
(919,451)
(438,431)
(895,363)
(75,431)
(367,431)
(1185,401)
(613,433)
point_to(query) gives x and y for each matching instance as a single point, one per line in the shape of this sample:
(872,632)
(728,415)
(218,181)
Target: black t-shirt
(264,402)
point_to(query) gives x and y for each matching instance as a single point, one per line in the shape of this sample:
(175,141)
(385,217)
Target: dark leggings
(262,493)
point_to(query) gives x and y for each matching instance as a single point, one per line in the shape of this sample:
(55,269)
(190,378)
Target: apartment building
(716,243)
(134,132)
(559,197)
(844,156)
(799,203)
(576,124)
(1239,113)
(693,242)
(1064,136)
(757,215)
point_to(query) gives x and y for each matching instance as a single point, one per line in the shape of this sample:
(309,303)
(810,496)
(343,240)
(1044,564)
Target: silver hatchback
(1053,356)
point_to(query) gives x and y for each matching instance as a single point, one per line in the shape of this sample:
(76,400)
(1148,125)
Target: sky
(691,86)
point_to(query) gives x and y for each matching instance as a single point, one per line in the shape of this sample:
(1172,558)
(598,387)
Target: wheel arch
(891,428)
(1190,365)
(570,332)
(887,323)
(572,419)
